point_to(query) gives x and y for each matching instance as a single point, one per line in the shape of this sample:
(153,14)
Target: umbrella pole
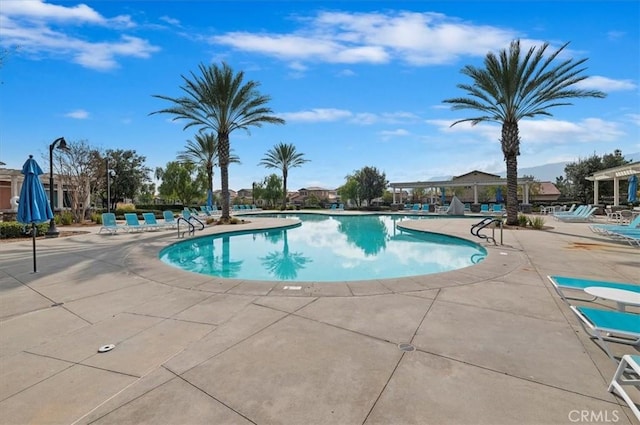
(33,233)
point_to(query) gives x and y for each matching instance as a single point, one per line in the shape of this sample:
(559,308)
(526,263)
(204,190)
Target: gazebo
(616,174)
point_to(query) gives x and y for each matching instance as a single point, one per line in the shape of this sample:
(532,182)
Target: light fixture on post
(110,174)
(62,144)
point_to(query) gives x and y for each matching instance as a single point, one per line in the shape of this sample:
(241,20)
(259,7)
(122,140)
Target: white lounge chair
(630,364)
(561,283)
(609,325)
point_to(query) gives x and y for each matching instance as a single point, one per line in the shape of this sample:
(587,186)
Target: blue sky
(359,83)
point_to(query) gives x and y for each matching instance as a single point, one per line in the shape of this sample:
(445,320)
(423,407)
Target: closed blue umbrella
(34,206)
(633,189)
(499,198)
(209,199)
(443,196)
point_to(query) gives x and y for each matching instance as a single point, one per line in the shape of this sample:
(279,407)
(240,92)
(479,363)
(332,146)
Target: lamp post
(62,144)
(110,174)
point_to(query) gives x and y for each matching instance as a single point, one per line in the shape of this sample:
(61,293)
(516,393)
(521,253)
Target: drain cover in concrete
(106,348)
(406,347)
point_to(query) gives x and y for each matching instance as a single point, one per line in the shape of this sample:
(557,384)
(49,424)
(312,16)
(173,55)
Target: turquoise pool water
(325,248)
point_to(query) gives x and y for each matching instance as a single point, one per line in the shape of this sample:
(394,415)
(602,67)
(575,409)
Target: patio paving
(494,344)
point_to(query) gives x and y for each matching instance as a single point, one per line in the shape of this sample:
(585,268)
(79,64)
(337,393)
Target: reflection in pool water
(325,249)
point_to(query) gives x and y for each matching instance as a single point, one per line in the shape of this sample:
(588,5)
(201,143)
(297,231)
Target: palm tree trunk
(511,150)
(284,188)
(223,154)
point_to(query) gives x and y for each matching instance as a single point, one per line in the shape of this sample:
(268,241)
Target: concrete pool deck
(494,344)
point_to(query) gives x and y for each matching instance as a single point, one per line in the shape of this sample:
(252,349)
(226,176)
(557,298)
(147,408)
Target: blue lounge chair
(497,209)
(109,223)
(630,363)
(484,208)
(132,224)
(416,207)
(561,283)
(604,228)
(425,208)
(169,219)
(585,215)
(151,223)
(632,236)
(609,325)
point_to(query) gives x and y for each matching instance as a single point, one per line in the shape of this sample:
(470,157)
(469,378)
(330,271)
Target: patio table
(620,296)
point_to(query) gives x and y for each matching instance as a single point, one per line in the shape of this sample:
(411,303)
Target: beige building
(11,184)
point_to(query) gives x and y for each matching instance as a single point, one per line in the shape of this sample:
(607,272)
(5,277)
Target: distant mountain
(549,172)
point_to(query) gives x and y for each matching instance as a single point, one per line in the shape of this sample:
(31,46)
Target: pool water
(324,248)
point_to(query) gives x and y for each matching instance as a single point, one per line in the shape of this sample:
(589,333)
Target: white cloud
(544,132)
(606,84)
(388,134)
(342,37)
(40,30)
(170,21)
(316,115)
(78,114)
(38,10)
(634,118)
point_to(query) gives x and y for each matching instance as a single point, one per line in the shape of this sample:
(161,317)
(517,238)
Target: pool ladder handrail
(192,227)
(487,221)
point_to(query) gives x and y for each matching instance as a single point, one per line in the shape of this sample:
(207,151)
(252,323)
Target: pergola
(456,183)
(615,174)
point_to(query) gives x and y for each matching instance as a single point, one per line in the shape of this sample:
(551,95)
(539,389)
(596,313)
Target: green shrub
(66,218)
(13,229)
(537,223)
(522,220)
(96,218)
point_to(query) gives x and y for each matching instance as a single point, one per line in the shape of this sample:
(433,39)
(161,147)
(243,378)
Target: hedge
(13,229)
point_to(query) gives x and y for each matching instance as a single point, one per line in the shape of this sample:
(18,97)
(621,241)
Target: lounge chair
(497,209)
(577,211)
(109,223)
(151,223)
(609,325)
(169,219)
(561,283)
(416,207)
(132,224)
(425,208)
(604,228)
(484,208)
(585,215)
(632,236)
(630,364)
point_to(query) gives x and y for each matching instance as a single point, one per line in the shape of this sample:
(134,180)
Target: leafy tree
(220,101)
(371,183)
(77,169)
(269,190)
(350,190)
(283,156)
(203,151)
(131,174)
(182,181)
(577,186)
(511,87)
(147,193)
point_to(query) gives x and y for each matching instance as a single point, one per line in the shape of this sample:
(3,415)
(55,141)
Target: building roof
(548,188)
(476,173)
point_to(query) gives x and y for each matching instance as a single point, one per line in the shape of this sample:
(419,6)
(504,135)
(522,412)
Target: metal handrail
(192,228)
(484,223)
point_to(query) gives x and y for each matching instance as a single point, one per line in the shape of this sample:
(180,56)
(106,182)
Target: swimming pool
(324,248)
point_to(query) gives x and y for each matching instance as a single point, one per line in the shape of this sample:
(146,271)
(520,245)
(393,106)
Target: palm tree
(219,100)
(283,156)
(203,151)
(511,87)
